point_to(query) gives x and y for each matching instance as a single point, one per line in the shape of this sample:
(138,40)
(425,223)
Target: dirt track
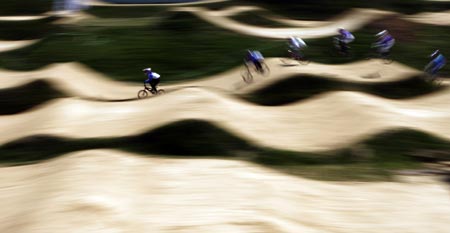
(112,191)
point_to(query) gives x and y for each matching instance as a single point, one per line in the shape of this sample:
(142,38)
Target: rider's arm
(149,78)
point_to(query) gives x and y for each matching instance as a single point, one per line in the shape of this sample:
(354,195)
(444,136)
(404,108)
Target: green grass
(27,30)
(373,159)
(15,7)
(181,48)
(22,98)
(302,87)
(127,12)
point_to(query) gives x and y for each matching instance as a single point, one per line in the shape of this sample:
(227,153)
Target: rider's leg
(258,65)
(344,47)
(154,83)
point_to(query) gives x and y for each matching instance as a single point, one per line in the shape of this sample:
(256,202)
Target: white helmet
(147,70)
(382,33)
(299,42)
(435,54)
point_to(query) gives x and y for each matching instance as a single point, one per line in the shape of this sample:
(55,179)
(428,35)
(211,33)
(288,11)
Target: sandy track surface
(12,45)
(351,20)
(136,194)
(436,18)
(93,85)
(22,18)
(325,122)
(356,20)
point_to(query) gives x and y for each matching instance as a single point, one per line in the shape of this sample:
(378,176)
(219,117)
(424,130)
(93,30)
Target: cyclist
(345,37)
(384,43)
(152,79)
(296,45)
(256,58)
(437,62)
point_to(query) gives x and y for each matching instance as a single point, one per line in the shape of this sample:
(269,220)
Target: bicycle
(375,54)
(142,94)
(295,57)
(250,68)
(430,76)
(340,49)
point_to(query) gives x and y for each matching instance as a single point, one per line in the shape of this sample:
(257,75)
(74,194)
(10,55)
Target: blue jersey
(347,36)
(437,63)
(387,40)
(439,60)
(256,56)
(151,76)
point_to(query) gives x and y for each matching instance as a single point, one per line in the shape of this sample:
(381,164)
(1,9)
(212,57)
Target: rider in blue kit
(256,58)
(384,43)
(296,45)
(152,78)
(345,37)
(438,62)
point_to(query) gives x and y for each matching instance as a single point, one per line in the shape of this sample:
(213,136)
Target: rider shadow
(288,65)
(372,76)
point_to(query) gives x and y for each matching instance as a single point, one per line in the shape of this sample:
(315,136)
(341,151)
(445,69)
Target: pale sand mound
(436,18)
(22,18)
(75,80)
(355,20)
(351,20)
(112,191)
(93,85)
(329,121)
(12,45)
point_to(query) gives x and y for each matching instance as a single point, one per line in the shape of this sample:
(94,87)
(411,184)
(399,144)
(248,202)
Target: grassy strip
(373,159)
(302,87)
(19,99)
(127,12)
(184,47)
(26,30)
(15,7)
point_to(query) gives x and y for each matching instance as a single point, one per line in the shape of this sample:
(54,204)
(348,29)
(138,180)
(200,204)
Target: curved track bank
(93,85)
(13,45)
(135,194)
(352,20)
(330,121)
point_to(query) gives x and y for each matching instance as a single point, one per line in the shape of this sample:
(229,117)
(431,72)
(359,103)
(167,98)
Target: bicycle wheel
(304,61)
(142,94)
(246,75)
(265,69)
(161,92)
(387,60)
(287,61)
